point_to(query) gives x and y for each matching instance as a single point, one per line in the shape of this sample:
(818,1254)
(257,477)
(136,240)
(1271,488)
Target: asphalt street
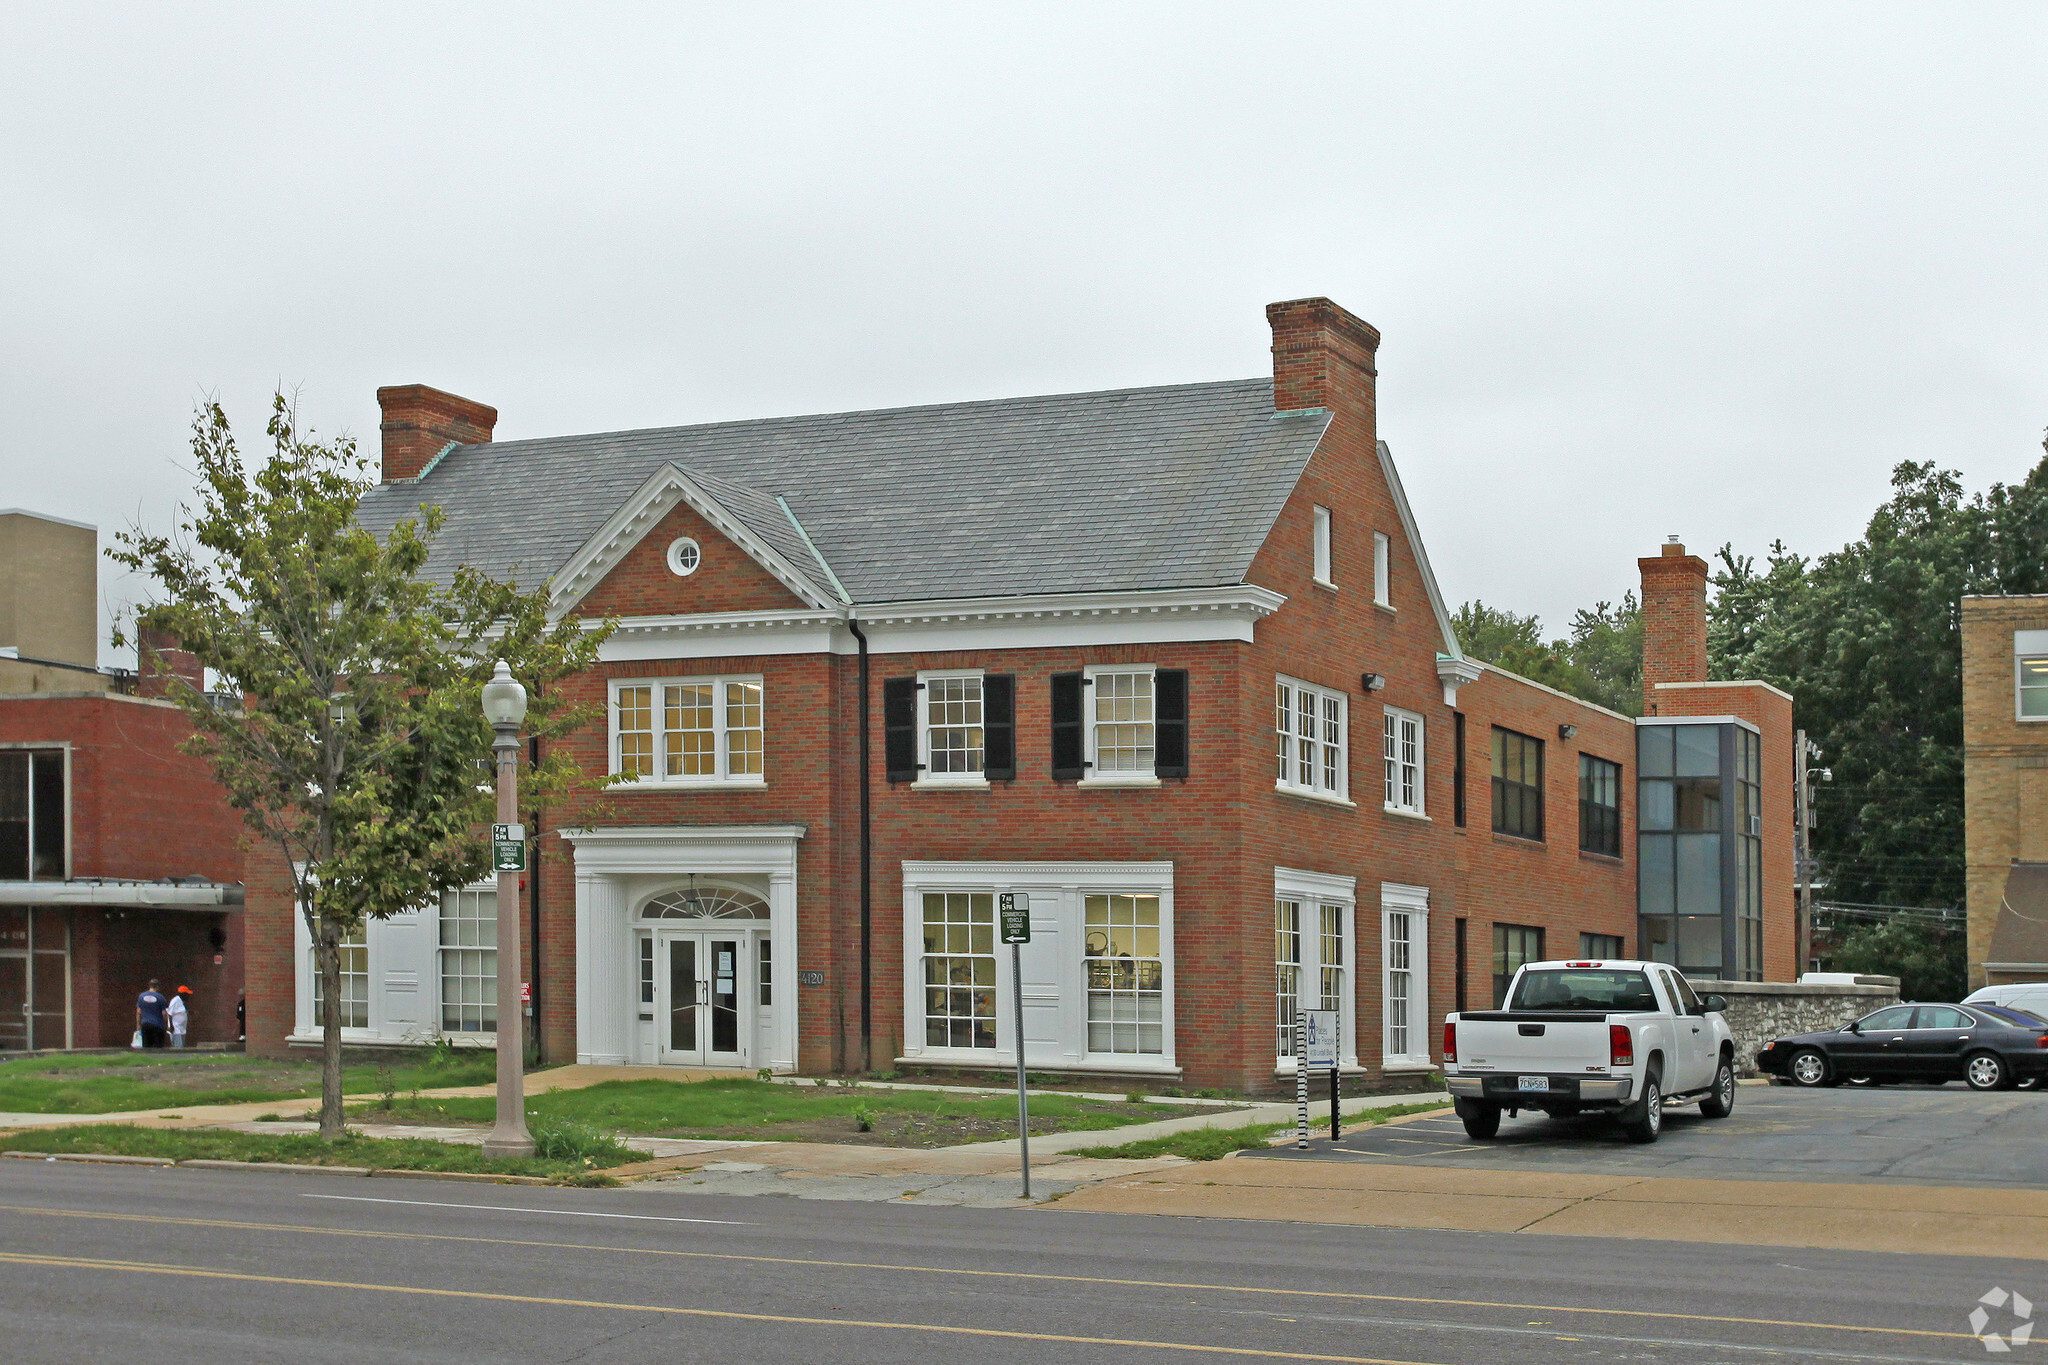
(107,1263)
(1924,1134)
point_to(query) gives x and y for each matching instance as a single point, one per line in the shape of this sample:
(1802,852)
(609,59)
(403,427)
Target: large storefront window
(1126,978)
(960,970)
(469,962)
(355,984)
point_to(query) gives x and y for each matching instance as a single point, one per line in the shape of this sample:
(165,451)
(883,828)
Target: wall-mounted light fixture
(1567,731)
(1374,681)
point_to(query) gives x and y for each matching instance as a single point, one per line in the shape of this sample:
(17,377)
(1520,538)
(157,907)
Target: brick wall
(2005,764)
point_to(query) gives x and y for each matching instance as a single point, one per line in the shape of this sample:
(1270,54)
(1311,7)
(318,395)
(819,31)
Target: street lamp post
(505,708)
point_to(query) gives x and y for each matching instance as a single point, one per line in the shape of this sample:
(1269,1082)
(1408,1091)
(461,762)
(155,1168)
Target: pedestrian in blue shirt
(149,1015)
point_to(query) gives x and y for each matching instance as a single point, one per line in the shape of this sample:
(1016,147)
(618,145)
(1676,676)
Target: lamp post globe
(504,702)
(504,698)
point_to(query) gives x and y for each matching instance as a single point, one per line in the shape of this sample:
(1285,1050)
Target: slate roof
(1119,490)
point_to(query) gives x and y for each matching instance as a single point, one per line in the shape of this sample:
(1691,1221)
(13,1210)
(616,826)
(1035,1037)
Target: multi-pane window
(2033,686)
(1126,975)
(355,983)
(1122,733)
(1308,723)
(1749,855)
(764,964)
(469,962)
(1600,946)
(1517,784)
(1599,806)
(1513,945)
(960,969)
(1308,954)
(1402,745)
(31,814)
(953,727)
(694,730)
(1399,959)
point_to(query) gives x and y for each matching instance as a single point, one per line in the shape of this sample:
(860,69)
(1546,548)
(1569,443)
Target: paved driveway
(1917,1134)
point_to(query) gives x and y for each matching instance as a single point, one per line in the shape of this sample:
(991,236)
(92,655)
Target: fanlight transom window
(711,902)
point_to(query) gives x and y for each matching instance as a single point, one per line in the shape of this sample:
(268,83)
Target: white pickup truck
(1622,1038)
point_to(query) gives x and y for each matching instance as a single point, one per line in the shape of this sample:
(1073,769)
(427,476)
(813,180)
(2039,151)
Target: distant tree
(1602,662)
(1928,958)
(1868,641)
(359,752)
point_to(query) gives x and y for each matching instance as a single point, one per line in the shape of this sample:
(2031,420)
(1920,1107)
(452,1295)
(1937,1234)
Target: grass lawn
(399,1154)
(110,1083)
(1208,1144)
(765,1112)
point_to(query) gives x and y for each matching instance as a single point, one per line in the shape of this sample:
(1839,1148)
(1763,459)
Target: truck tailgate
(1518,1040)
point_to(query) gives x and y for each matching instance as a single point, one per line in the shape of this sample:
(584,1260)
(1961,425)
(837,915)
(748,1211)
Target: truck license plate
(1532,1082)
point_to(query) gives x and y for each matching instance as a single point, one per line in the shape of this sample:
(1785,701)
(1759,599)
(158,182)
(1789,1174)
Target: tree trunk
(327,958)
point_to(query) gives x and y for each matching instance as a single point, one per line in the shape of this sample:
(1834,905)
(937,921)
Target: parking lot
(1910,1134)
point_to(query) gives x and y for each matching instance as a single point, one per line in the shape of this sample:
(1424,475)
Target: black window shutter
(999,727)
(1170,722)
(1066,727)
(899,728)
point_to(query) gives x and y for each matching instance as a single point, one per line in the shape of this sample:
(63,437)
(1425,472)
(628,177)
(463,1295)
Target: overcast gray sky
(1639,269)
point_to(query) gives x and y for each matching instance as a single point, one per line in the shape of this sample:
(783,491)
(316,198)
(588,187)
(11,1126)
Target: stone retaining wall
(1759,1011)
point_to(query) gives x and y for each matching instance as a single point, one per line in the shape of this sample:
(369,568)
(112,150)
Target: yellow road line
(951,1270)
(197,1272)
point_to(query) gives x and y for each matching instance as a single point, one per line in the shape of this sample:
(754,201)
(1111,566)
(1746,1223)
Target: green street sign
(1014,909)
(508,848)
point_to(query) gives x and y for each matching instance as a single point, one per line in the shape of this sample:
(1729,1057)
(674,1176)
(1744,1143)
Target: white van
(2031,996)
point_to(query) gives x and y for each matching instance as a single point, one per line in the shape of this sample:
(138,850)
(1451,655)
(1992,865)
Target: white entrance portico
(686,945)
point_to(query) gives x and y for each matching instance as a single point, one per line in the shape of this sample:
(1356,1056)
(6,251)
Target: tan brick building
(2005,786)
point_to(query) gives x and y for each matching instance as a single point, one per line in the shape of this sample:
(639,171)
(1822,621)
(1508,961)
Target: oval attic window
(684,557)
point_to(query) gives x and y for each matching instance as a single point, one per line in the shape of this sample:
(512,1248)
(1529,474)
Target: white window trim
(1314,889)
(1421,806)
(927,779)
(1413,901)
(1342,793)
(1093,775)
(1324,549)
(657,782)
(1382,570)
(1059,894)
(2018,695)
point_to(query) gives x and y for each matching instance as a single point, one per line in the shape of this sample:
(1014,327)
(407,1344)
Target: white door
(700,1017)
(1698,1058)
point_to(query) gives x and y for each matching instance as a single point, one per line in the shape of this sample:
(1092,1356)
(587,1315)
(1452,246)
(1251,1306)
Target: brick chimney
(1323,357)
(419,423)
(159,658)
(1674,620)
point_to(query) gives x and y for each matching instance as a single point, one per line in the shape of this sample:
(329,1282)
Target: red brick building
(119,857)
(1171,662)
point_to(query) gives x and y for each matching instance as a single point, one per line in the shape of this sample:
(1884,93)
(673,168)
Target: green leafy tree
(1928,958)
(359,753)
(1602,662)
(1868,640)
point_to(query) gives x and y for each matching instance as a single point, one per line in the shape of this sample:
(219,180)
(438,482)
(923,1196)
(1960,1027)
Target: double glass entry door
(701,1017)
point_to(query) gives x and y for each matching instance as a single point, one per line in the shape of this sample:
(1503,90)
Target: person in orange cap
(175,1015)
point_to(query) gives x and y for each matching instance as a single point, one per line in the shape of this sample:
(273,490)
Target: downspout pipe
(867,906)
(533,887)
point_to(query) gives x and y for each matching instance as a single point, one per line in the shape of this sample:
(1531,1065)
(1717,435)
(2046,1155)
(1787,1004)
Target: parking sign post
(1315,1034)
(1301,1079)
(1014,910)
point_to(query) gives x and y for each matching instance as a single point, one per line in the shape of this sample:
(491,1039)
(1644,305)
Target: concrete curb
(98,1158)
(202,1164)
(1318,1114)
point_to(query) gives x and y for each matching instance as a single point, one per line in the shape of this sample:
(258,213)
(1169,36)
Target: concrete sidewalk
(1945,1219)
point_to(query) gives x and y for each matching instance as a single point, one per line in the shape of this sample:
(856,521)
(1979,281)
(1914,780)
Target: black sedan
(1983,1048)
